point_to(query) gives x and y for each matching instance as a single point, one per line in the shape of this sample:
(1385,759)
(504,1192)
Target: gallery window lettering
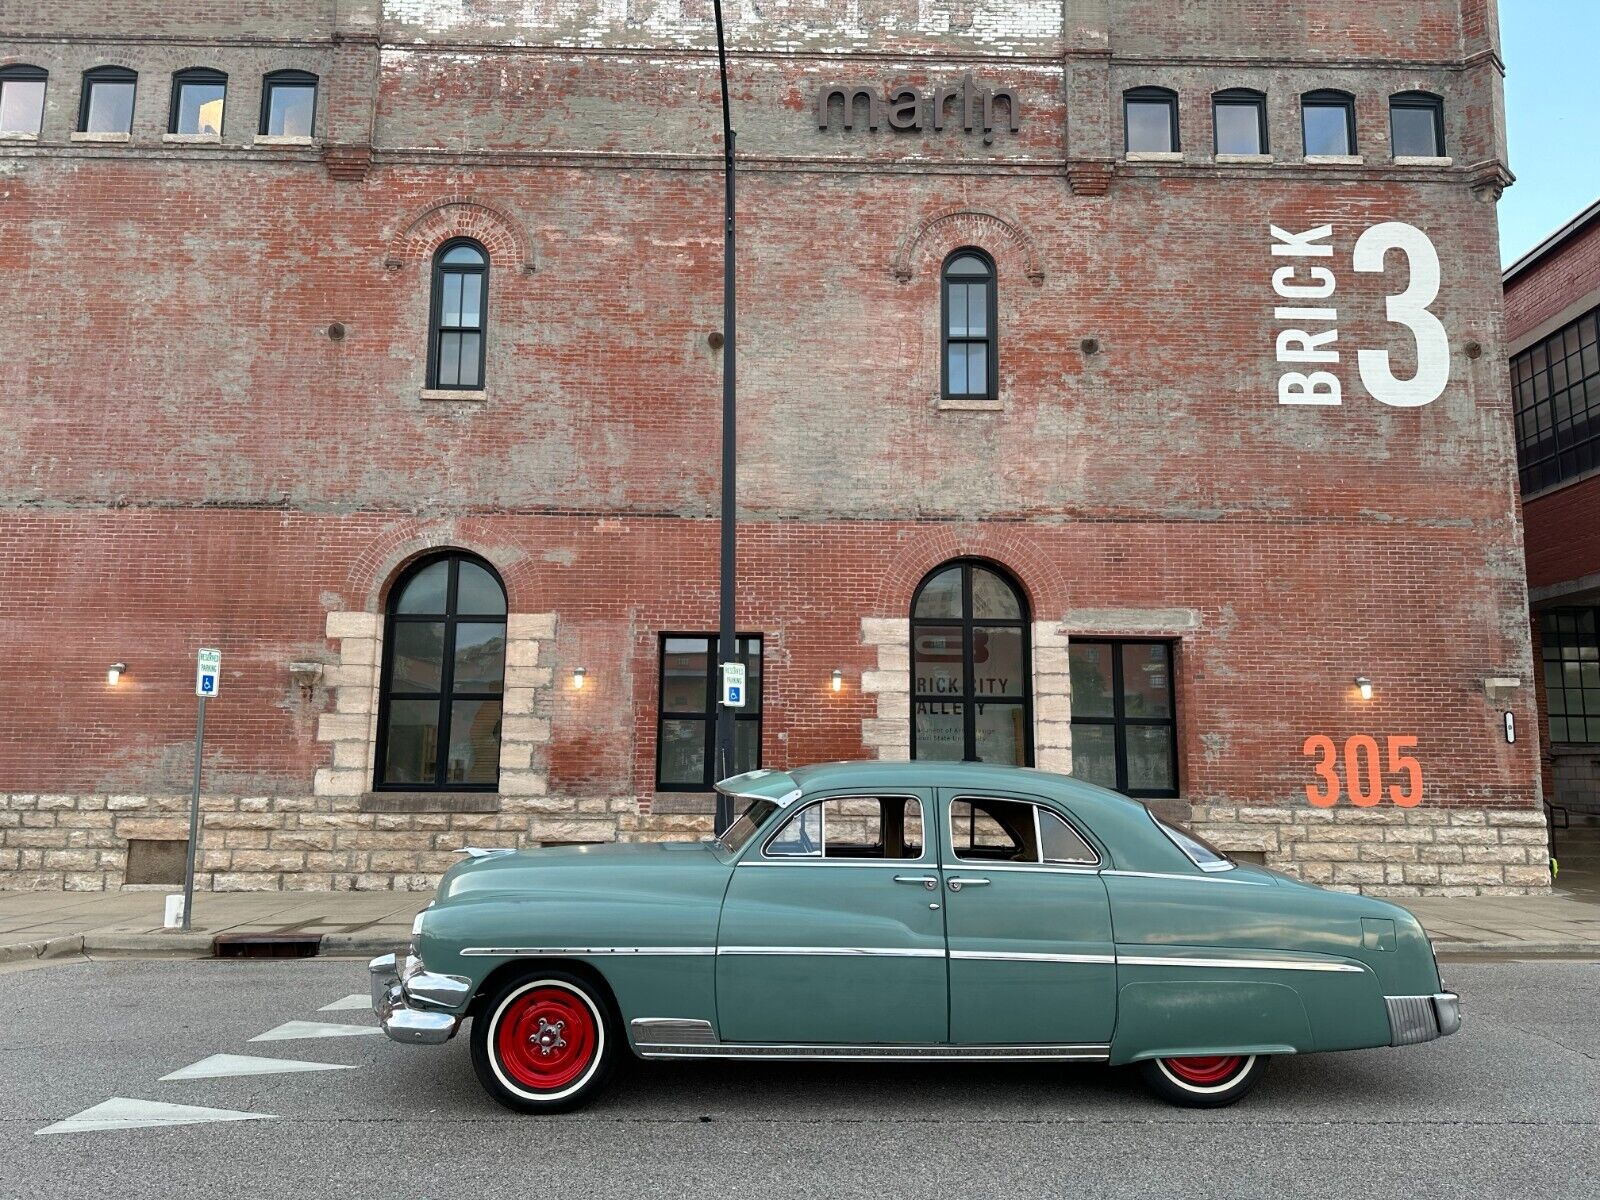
(1570,640)
(687,714)
(1150,121)
(288,104)
(1416,125)
(1239,119)
(197,99)
(22,98)
(443,678)
(970,341)
(971,667)
(458,316)
(106,105)
(1124,718)
(1328,119)
(1555,386)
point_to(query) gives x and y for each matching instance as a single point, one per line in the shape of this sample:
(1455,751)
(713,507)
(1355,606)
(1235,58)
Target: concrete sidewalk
(358,924)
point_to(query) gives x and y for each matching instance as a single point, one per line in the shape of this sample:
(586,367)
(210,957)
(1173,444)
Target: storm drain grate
(266,945)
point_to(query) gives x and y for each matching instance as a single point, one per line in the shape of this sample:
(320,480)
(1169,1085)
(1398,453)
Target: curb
(57,947)
(1502,950)
(175,944)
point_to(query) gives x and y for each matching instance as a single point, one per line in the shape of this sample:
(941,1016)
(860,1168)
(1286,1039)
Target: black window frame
(1330,98)
(447,694)
(1418,101)
(436,330)
(288,78)
(1240,98)
(991,342)
(1120,720)
(708,715)
(1574,612)
(28,73)
(1152,95)
(967,621)
(201,76)
(1560,370)
(107,74)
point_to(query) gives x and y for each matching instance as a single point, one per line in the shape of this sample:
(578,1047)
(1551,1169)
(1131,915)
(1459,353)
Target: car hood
(571,867)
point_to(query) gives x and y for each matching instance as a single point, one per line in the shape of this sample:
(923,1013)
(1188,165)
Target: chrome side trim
(1211,878)
(1245,964)
(1032,868)
(1019,956)
(836,951)
(577,951)
(675,1031)
(796,860)
(879,1053)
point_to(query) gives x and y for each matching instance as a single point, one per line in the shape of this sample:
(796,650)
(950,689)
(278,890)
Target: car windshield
(1199,851)
(733,838)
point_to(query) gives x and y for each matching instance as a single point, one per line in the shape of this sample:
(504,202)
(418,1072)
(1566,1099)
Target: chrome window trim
(1036,868)
(1242,964)
(1038,843)
(790,860)
(898,864)
(1203,878)
(1019,956)
(578,951)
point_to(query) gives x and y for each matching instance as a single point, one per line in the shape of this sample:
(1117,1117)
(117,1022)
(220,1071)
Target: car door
(1031,952)
(832,929)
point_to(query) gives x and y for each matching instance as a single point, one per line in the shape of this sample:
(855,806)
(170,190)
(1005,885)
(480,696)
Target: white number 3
(1409,308)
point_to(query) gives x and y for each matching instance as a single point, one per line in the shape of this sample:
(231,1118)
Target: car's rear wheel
(1211,1081)
(545,1042)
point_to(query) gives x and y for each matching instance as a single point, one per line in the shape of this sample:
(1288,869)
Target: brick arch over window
(376,568)
(926,245)
(501,234)
(1043,583)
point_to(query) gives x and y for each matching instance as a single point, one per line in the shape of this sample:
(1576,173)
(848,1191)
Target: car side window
(1014,831)
(852,827)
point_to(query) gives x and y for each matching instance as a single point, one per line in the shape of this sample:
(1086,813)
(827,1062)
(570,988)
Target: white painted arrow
(221,1066)
(353,1001)
(121,1113)
(291,1030)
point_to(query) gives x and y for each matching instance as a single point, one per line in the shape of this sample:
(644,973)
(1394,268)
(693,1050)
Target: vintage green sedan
(916,910)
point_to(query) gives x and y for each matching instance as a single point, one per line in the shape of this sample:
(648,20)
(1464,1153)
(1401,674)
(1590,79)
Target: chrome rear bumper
(398,991)
(1414,1019)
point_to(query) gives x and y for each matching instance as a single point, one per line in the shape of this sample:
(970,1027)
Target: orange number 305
(1363,776)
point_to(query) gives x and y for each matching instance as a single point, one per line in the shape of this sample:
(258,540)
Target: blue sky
(1552,53)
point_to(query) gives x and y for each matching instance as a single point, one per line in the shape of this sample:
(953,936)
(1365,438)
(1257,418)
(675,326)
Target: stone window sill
(79,135)
(17,135)
(1335,160)
(281,139)
(1422,160)
(430,802)
(192,139)
(970,404)
(1152,156)
(695,804)
(1245,158)
(477,397)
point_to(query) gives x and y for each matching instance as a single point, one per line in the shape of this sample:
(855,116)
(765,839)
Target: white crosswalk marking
(357,1000)
(119,1112)
(291,1030)
(221,1066)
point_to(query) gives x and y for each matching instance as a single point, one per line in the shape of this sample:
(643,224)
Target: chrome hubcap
(548,1036)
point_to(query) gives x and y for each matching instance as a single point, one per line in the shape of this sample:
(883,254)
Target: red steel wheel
(1203,1081)
(546,1037)
(1204,1072)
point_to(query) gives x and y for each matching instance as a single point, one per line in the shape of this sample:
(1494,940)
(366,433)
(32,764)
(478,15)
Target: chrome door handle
(927,881)
(958,882)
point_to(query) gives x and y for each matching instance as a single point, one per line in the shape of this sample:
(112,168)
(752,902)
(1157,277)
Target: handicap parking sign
(208,670)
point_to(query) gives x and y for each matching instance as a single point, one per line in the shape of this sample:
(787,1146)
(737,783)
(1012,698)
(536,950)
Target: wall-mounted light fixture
(115,672)
(838,681)
(579,674)
(1364,686)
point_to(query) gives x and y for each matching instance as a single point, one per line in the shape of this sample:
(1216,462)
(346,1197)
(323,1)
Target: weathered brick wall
(187,458)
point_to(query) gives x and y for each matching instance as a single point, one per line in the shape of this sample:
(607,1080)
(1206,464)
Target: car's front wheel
(544,1042)
(1203,1082)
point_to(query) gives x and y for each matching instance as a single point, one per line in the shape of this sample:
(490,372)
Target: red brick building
(1118,387)
(1552,310)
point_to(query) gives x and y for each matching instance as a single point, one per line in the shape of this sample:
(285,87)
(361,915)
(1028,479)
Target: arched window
(22,98)
(1328,123)
(198,95)
(971,667)
(458,316)
(288,104)
(1150,121)
(106,105)
(444,661)
(1416,125)
(970,342)
(1239,121)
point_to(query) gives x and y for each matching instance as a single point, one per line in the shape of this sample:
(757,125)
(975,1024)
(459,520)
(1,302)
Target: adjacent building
(1122,392)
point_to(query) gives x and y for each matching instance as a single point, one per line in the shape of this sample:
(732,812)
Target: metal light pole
(727,635)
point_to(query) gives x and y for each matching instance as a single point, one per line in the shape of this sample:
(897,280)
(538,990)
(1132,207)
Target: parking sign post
(208,673)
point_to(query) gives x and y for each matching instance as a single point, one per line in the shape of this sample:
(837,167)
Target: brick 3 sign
(1309,325)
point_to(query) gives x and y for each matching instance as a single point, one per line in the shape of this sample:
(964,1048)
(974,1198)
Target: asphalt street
(1510,1107)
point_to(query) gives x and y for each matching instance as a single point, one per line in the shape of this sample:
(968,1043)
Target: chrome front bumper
(1414,1019)
(411,1003)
